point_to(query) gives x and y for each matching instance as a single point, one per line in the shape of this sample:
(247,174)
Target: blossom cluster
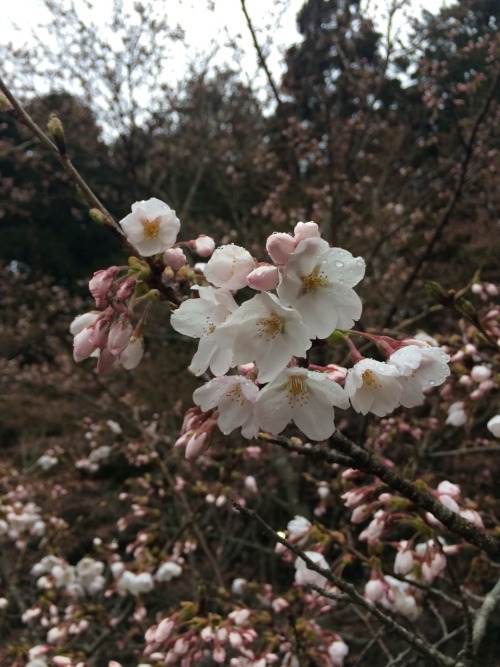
(304,297)
(257,348)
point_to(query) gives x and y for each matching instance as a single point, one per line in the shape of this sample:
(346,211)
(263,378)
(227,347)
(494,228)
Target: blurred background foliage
(369,137)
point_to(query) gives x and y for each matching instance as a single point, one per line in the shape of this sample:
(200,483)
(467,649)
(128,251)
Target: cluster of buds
(143,582)
(108,333)
(398,596)
(20,521)
(196,431)
(83,578)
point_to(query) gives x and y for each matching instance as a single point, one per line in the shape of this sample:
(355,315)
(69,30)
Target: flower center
(272,326)
(313,281)
(370,380)
(235,395)
(151,229)
(297,390)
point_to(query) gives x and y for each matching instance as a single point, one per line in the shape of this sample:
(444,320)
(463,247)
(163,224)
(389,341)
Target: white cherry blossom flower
(265,332)
(318,282)
(306,397)
(152,227)
(372,386)
(229,267)
(419,368)
(456,414)
(234,396)
(493,426)
(167,571)
(200,318)
(305,576)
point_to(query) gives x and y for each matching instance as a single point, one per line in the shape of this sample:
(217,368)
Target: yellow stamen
(370,379)
(235,395)
(151,229)
(272,326)
(297,390)
(313,281)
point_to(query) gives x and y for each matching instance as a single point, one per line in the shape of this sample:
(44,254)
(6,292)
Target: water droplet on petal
(339,264)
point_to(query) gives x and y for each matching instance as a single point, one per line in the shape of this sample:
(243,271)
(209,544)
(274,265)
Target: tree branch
(447,213)
(359,458)
(260,55)
(411,637)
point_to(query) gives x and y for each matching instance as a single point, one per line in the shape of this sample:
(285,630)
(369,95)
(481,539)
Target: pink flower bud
(203,245)
(264,278)
(83,345)
(100,284)
(449,489)
(126,289)
(280,246)
(175,258)
(337,652)
(164,630)
(119,336)
(196,445)
(360,513)
(305,230)
(132,354)
(480,373)
(403,562)
(375,590)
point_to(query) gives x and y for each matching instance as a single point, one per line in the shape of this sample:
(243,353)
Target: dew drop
(339,264)
(432,383)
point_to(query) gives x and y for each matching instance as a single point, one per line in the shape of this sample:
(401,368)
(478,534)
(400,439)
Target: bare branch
(411,637)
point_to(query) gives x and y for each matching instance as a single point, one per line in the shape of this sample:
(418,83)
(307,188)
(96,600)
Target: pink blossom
(305,230)
(203,245)
(175,258)
(229,267)
(279,247)
(264,278)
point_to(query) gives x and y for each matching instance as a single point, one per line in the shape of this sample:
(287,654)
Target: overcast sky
(204,22)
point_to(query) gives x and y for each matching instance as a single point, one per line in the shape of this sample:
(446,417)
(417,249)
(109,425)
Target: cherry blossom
(306,397)
(318,282)
(235,398)
(265,332)
(493,426)
(373,386)
(152,227)
(229,267)
(200,318)
(419,367)
(305,576)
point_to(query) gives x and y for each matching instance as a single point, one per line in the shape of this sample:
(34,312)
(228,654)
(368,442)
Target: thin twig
(369,463)
(411,637)
(260,55)
(89,196)
(447,213)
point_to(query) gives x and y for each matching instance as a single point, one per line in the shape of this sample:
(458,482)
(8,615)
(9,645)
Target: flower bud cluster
(20,521)
(108,334)
(84,578)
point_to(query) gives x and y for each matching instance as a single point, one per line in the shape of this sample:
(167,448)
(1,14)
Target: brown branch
(92,200)
(361,459)
(448,211)
(411,637)
(260,55)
